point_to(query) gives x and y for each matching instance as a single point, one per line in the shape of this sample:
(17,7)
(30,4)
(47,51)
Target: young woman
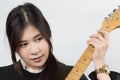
(29,36)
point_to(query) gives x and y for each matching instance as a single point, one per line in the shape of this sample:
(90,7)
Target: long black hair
(17,20)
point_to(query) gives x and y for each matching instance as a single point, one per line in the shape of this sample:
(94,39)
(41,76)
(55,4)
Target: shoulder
(6,68)
(6,71)
(113,75)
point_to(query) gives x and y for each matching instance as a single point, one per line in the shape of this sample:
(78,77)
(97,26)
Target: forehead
(29,32)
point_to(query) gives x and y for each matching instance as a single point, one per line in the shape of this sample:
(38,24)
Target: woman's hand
(100,41)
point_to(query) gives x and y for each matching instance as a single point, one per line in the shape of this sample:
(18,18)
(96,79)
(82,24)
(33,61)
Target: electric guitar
(110,23)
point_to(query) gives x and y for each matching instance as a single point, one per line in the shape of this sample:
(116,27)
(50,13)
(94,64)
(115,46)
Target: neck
(25,67)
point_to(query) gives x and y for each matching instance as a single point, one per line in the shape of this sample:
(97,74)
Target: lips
(37,59)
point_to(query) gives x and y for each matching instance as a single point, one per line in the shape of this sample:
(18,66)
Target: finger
(104,33)
(100,37)
(95,42)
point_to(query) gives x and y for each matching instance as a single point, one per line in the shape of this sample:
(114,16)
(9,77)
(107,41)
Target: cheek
(44,47)
(23,54)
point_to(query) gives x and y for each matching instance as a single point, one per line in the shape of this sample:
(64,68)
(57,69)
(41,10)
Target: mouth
(37,59)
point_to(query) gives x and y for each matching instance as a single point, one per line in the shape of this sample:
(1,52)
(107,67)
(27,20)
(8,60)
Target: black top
(113,75)
(9,73)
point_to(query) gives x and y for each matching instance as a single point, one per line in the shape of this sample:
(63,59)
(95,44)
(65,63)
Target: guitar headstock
(112,21)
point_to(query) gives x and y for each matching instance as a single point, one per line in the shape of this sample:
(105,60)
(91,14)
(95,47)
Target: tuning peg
(106,19)
(110,15)
(114,10)
(119,6)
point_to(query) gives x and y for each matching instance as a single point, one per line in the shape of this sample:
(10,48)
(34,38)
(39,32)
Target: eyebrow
(33,38)
(37,36)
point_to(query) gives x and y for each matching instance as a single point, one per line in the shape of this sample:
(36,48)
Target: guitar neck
(81,65)
(110,23)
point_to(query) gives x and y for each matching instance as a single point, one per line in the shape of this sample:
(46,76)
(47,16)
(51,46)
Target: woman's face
(33,48)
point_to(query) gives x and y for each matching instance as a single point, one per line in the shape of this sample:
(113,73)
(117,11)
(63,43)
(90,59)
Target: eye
(38,39)
(23,45)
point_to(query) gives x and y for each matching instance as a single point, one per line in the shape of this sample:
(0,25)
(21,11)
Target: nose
(34,49)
